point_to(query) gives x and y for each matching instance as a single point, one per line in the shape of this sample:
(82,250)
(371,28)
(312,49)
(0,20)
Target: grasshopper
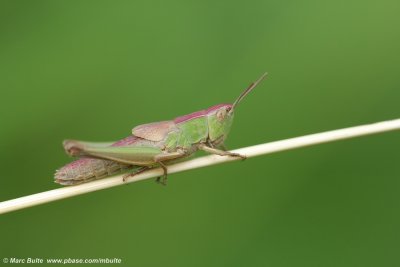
(153,145)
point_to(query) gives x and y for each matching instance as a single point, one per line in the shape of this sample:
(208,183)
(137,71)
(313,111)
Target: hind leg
(136,172)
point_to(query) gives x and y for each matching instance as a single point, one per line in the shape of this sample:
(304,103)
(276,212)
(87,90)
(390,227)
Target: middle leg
(165,157)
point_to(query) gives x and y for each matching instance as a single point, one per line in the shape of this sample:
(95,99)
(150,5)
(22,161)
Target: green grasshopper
(153,145)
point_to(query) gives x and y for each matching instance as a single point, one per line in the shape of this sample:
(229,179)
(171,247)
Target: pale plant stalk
(252,151)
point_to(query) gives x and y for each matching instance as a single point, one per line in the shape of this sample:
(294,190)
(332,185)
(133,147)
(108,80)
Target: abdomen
(88,169)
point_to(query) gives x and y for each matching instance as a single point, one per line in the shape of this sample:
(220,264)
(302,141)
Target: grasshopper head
(220,120)
(220,117)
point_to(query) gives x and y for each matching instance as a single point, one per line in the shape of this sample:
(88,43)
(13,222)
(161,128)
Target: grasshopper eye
(221,114)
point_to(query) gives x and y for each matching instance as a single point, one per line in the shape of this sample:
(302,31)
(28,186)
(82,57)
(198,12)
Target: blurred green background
(92,70)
